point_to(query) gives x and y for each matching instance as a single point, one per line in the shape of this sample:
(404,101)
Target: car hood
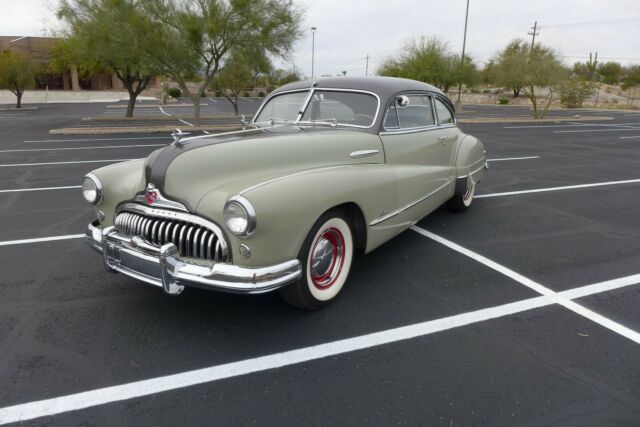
(237,161)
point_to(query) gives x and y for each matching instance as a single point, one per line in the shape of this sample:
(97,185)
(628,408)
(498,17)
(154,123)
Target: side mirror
(402,101)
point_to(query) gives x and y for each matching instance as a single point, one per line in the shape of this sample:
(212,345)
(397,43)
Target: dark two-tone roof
(384,87)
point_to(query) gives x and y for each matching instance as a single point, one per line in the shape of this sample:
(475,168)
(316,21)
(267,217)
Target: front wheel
(326,257)
(461,202)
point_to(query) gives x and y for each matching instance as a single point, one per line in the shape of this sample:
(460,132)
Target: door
(417,149)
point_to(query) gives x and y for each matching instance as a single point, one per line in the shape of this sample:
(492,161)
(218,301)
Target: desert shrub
(503,101)
(218,93)
(174,92)
(261,94)
(246,94)
(573,92)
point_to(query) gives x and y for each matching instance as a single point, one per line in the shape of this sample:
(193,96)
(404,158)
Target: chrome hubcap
(327,257)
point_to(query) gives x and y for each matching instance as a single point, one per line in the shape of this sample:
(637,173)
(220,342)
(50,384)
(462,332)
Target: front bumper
(162,266)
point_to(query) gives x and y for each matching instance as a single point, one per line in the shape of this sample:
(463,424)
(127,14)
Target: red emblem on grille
(151,196)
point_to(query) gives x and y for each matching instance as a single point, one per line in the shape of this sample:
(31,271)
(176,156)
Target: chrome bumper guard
(162,266)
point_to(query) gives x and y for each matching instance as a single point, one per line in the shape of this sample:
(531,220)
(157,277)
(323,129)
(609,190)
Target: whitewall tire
(326,257)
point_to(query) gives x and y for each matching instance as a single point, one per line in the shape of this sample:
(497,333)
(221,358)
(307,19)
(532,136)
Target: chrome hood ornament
(153,197)
(178,135)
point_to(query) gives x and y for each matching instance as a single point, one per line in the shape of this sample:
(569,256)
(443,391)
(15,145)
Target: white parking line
(40,240)
(630,137)
(212,100)
(99,139)
(20,190)
(83,148)
(572,125)
(504,159)
(617,129)
(556,297)
(64,163)
(164,112)
(74,402)
(185,122)
(566,187)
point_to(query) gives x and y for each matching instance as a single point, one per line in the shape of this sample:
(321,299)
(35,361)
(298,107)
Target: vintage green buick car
(325,169)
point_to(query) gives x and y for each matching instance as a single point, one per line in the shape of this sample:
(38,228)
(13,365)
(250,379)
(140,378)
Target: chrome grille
(192,240)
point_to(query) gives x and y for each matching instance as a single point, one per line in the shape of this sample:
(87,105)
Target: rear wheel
(326,257)
(461,202)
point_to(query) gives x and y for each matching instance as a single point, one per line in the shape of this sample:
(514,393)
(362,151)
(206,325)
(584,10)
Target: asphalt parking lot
(521,311)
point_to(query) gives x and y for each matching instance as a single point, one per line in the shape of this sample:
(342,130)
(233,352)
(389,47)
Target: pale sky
(349,30)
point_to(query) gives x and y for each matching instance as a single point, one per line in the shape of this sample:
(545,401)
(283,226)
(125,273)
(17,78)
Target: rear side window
(445,115)
(417,113)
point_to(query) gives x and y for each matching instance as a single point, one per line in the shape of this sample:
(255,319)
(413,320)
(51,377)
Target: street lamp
(313,48)
(464,42)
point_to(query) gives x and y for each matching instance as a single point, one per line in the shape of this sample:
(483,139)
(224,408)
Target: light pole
(313,48)
(464,44)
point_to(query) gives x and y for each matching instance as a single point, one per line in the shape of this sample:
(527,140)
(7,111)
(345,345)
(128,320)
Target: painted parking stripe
(543,290)
(40,240)
(566,187)
(21,190)
(82,148)
(65,163)
(565,125)
(504,159)
(618,129)
(630,137)
(99,139)
(74,402)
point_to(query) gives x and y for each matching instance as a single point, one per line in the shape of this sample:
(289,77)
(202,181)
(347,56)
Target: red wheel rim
(326,258)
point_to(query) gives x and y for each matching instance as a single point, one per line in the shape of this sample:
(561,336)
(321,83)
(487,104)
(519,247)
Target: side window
(391,119)
(444,114)
(417,113)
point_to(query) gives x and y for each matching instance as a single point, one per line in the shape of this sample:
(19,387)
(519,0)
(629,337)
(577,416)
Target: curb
(532,120)
(139,129)
(17,109)
(161,118)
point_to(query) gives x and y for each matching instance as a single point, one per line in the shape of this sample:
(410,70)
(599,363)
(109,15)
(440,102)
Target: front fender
(287,208)
(120,181)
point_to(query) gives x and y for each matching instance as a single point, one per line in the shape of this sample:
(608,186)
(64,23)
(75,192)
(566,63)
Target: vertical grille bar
(191,240)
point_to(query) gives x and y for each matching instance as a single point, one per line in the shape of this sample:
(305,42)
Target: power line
(592,22)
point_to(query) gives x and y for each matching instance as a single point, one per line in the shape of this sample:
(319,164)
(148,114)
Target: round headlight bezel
(97,187)
(248,212)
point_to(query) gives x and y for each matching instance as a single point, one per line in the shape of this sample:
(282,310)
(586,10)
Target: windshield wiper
(331,122)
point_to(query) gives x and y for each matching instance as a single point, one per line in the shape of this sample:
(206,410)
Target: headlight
(92,189)
(240,216)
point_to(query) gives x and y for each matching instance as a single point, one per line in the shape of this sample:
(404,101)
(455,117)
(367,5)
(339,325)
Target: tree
(488,74)
(631,80)
(234,79)
(16,74)
(511,65)
(99,38)
(429,60)
(193,40)
(544,70)
(610,72)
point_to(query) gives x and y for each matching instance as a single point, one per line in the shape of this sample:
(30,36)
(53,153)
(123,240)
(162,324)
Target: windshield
(326,107)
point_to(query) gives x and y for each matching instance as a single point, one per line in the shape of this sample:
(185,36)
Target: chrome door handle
(443,139)
(363,153)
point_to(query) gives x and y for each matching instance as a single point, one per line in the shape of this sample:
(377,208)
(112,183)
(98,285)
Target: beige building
(39,49)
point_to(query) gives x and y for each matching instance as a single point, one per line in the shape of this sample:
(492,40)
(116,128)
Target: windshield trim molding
(311,91)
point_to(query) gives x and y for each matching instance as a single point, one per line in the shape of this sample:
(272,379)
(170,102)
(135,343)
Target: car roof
(384,87)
